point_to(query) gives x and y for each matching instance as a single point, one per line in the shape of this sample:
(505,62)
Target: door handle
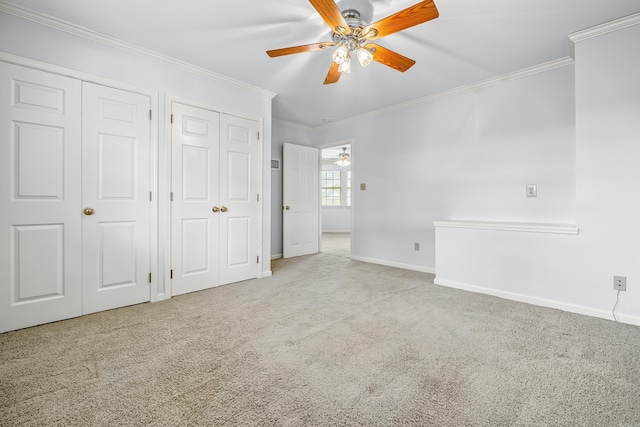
(286,208)
(215,209)
(223,209)
(88,211)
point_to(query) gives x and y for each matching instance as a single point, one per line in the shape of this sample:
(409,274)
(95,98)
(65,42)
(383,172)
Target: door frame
(352,143)
(155,295)
(168,100)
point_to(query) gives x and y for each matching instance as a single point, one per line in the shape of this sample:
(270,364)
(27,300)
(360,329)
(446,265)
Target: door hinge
(171,274)
(258,134)
(149,277)
(171,196)
(257,198)
(172,119)
(150,197)
(257,260)
(149,114)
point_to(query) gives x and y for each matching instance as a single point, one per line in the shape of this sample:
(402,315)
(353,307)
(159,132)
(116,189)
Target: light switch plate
(532,190)
(363,186)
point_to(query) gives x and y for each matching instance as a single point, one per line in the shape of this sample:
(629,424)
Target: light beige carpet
(326,341)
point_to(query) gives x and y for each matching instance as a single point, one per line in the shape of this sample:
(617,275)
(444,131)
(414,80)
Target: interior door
(301,200)
(116,198)
(40,134)
(239,178)
(195,209)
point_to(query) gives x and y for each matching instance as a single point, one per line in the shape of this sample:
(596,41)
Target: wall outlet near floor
(532,190)
(619,283)
(416,246)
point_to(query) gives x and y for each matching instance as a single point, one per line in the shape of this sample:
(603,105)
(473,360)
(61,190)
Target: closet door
(40,210)
(195,210)
(239,183)
(115,198)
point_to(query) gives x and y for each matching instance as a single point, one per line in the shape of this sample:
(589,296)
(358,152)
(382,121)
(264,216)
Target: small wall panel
(239,176)
(195,170)
(38,163)
(116,167)
(34,96)
(195,246)
(38,262)
(117,251)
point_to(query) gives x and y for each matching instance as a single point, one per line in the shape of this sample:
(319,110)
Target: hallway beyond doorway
(338,244)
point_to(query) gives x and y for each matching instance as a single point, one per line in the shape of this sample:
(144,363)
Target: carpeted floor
(326,341)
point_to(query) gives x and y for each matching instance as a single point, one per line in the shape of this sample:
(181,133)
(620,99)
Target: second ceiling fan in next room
(352,36)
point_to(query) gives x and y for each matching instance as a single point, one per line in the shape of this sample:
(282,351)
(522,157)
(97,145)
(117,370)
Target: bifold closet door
(40,190)
(116,198)
(195,209)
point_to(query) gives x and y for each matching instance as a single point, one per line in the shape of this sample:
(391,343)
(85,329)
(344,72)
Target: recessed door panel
(196,173)
(116,178)
(239,180)
(195,246)
(38,161)
(238,244)
(116,167)
(40,190)
(38,270)
(117,252)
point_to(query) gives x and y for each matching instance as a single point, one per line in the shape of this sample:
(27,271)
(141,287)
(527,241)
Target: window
(331,188)
(349,188)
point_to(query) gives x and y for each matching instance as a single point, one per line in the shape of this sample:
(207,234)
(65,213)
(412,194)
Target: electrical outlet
(619,283)
(416,246)
(532,190)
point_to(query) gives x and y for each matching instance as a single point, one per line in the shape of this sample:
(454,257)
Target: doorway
(336,177)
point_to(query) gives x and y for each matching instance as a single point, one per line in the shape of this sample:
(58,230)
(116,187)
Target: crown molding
(526,72)
(293,125)
(88,34)
(605,28)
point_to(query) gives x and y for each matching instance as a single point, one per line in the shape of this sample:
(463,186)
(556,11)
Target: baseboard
(579,309)
(264,274)
(395,264)
(276,256)
(337,231)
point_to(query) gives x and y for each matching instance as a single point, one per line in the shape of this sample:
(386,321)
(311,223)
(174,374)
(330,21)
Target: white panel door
(116,187)
(40,186)
(239,179)
(301,199)
(195,210)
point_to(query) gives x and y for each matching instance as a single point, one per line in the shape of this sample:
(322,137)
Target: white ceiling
(471,41)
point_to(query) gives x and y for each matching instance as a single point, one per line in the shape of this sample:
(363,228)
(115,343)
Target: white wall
(28,39)
(575,273)
(467,156)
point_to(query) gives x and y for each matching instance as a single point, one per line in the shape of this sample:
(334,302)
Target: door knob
(286,208)
(215,209)
(223,209)
(88,211)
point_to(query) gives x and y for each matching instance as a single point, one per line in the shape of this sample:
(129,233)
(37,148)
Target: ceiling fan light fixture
(364,56)
(341,54)
(345,67)
(343,158)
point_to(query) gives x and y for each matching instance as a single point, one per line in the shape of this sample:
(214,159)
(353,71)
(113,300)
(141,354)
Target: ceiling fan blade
(331,14)
(299,49)
(390,58)
(413,15)
(333,75)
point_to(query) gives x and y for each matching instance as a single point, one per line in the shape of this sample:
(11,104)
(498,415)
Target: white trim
(526,72)
(276,256)
(510,226)
(572,308)
(605,28)
(264,274)
(395,264)
(88,34)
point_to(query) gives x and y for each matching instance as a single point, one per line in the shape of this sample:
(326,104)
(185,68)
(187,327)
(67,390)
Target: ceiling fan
(352,35)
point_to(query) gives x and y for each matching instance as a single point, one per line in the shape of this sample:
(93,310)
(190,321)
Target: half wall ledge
(511,226)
